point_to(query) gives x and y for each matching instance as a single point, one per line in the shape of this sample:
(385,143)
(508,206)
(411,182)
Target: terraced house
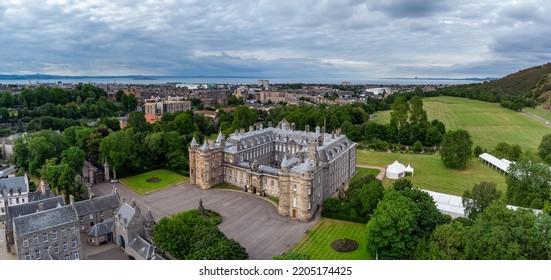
(300,168)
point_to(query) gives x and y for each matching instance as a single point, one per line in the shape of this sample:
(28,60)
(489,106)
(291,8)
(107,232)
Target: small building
(101,233)
(96,209)
(133,232)
(17,192)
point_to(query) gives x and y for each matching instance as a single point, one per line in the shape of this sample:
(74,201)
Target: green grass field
(139,184)
(539,111)
(317,242)
(362,172)
(488,123)
(431,174)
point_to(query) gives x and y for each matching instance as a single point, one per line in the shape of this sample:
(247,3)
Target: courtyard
(250,220)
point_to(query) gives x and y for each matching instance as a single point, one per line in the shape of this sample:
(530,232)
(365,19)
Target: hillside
(534,82)
(526,88)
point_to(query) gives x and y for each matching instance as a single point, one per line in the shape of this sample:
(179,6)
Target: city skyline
(349,40)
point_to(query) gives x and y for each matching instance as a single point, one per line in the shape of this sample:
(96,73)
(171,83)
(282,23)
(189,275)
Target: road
(249,219)
(537,118)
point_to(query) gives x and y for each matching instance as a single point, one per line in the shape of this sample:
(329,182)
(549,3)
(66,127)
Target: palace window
(27,256)
(26,242)
(75,256)
(74,243)
(37,254)
(63,232)
(45,237)
(56,248)
(294,202)
(309,205)
(54,234)
(65,246)
(35,239)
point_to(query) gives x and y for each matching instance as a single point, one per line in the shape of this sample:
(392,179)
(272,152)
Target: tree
(418,146)
(189,235)
(510,152)
(456,149)
(433,136)
(417,114)
(500,233)
(528,182)
(399,113)
(136,120)
(364,200)
(117,148)
(244,117)
(480,197)
(477,151)
(402,184)
(544,149)
(447,242)
(390,231)
(74,157)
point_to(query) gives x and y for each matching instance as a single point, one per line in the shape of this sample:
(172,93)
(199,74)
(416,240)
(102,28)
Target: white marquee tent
(395,170)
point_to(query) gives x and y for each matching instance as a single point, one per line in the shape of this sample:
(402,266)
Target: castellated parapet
(299,168)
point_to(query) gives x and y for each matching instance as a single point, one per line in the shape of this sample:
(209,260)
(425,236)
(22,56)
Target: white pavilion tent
(395,170)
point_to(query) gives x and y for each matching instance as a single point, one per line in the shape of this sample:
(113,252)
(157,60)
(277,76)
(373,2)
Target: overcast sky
(349,40)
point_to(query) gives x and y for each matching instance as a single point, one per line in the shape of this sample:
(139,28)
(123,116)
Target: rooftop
(39,221)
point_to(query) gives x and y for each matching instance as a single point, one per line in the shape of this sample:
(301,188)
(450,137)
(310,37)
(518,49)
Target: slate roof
(103,228)
(97,204)
(125,213)
(143,247)
(38,195)
(32,207)
(39,221)
(14,183)
(148,216)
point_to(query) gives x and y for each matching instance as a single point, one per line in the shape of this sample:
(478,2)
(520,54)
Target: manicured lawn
(431,174)
(488,123)
(317,242)
(139,184)
(364,171)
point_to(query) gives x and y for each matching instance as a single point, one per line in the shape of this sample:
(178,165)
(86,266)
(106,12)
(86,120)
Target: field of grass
(317,242)
(539,111)
(488,123)
(431,174)
(139,184)
(364,171)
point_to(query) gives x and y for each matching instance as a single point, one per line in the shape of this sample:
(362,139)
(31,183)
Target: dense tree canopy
(544,149)
(480,197)
(528,182)
(189,235)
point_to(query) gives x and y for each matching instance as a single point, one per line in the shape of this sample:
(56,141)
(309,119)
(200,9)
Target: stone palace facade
(300,168)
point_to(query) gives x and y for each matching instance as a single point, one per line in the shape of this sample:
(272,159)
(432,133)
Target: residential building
(96,209)
(53,233)
(17,192)
(134,232)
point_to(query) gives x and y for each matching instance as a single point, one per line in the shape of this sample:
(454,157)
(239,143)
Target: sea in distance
(225,80)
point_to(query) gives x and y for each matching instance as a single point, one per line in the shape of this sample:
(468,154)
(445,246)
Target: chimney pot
(41,207)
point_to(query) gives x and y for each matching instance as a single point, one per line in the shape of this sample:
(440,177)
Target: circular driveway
(249,219)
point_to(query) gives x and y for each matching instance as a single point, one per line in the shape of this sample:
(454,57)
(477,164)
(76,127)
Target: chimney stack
(41,206)
(251,128)
(72,199)
(270,124)
(307,128)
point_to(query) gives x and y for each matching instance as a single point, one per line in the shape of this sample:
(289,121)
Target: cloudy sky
(344,39)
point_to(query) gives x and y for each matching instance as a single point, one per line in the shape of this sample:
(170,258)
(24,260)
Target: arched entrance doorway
(123,243)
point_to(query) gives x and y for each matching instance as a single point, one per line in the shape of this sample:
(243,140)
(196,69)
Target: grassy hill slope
(488,123)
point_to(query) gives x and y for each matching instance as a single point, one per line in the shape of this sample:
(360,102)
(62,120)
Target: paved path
(382,170)
(249,219)
(537,118)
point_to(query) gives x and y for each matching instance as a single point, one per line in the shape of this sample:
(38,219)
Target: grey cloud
(410,8)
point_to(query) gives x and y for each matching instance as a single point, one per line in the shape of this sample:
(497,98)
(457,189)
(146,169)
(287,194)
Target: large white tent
(395,170)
